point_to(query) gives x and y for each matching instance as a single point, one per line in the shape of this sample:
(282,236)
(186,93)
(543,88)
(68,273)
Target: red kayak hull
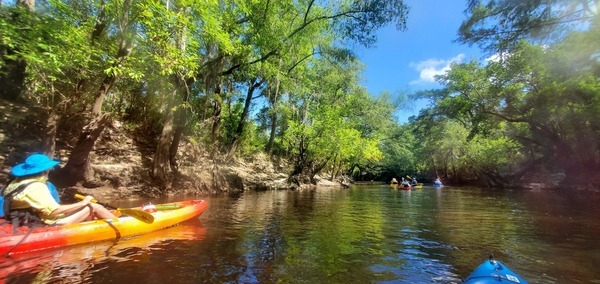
(402,187)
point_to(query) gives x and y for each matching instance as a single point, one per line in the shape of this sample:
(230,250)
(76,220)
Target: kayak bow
(492,272)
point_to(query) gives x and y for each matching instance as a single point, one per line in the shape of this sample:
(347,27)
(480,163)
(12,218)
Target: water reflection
(365,234)
(78,264)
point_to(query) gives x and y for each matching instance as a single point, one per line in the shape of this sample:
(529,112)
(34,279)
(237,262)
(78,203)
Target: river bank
(122,160)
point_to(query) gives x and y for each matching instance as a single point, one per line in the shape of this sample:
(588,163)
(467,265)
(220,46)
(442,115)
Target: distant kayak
(437,184)
(404,187)
(492,272)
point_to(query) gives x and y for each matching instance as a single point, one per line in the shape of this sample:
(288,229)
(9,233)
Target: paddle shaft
(79,196)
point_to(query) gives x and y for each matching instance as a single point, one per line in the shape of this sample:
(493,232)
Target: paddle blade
(138,214)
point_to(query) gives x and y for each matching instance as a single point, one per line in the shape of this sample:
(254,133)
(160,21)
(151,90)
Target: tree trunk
(165,158)
(244,116)
(216,130)
(107,83)
(336,167)
(91,132)
(78,167)
(333,168)
(49,139)
(269,147)
(180,125)
(274,98)
(318,168)
(302,173)
(216,127)
(174,148)
(86,141)
(339,168)
(162,162)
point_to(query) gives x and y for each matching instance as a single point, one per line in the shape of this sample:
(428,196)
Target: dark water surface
(365,234)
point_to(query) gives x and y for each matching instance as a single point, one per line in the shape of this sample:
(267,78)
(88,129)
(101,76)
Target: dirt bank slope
(122,160)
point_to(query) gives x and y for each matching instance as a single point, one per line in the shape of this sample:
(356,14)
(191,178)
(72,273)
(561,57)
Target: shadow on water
(365,234)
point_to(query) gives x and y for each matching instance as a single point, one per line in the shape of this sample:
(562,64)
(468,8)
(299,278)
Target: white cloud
(429,68)
(493,58)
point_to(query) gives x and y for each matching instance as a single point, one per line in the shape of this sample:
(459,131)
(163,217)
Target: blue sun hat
(34,164)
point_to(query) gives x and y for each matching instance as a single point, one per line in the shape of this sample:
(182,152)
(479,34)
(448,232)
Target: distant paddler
(405,184)
(437,182)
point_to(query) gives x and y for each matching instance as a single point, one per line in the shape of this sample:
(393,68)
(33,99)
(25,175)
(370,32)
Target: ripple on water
(369,234)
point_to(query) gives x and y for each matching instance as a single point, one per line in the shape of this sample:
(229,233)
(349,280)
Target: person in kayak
(394,181)
(405,183)
(37,197)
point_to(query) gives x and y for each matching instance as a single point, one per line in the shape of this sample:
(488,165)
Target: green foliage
(253,141)
(398,151)
(337,123)
(534,105)
(498,25)
(192,55)
(365,17)
(55,52)
(490,154)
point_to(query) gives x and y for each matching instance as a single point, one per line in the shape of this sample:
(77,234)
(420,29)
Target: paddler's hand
(87,200)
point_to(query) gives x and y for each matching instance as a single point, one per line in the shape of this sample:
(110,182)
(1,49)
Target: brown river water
(364,234)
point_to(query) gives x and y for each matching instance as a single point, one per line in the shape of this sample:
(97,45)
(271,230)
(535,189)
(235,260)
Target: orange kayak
(404,187)
(46,237)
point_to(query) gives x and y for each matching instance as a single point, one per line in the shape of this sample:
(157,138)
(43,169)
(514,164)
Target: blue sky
(406,61)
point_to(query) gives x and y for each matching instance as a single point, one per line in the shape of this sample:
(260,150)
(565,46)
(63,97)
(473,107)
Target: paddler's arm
(68,209)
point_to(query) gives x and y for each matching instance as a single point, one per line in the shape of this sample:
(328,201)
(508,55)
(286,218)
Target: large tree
(330,122)
(544,99)
(173,65)
(112,34)
(498,25)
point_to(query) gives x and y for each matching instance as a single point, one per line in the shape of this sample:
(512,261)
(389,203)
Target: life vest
(5,199)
